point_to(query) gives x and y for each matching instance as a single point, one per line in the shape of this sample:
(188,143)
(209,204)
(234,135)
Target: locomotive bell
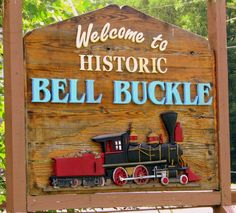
(169,120)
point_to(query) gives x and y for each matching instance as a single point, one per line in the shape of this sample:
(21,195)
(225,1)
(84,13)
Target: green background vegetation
(188,14)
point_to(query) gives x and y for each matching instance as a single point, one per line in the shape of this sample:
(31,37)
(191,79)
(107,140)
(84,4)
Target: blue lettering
(40,85)
(152,92)
(90,93)
(135,92)
(172,92)
(203,90)
(121,87)
(58,85)
(187,95)
(74,92)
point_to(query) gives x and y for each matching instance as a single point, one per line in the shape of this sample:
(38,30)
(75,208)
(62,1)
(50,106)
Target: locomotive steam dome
(133,137)
(152,138)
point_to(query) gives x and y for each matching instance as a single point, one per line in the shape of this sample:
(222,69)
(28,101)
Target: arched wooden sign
(115,108)
(119,101)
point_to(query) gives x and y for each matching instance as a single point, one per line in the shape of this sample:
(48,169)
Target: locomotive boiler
(124,160)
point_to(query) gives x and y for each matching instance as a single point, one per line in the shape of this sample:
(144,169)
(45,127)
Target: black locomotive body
(161,160)
(145,152)
(118,149)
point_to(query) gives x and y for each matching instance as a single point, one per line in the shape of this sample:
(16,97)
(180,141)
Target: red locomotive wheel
(183,179)
(119,173)
(165,181)
(139,172)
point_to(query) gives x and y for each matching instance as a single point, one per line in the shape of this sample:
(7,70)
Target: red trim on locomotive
(86,165)
(109,146)
(153,138)
(192,177)
(115,152)
(133,137)
(178,133)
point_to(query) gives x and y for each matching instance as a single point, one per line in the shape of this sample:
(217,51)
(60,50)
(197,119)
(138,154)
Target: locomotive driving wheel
(139,172)
(118,175)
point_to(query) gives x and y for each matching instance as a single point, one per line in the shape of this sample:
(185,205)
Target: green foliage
(37,13)
(188,14)
(191,15)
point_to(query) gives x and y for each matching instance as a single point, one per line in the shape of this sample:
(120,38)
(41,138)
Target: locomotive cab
(114,147)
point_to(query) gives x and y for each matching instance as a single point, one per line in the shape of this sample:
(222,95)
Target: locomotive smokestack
(169,119)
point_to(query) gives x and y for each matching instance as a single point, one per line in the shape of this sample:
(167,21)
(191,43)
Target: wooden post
(14,106)
(233,197)
(217,38)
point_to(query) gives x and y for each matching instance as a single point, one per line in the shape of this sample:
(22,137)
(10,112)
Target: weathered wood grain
(55,130)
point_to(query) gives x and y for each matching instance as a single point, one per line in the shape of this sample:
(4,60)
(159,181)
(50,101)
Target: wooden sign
(119,101)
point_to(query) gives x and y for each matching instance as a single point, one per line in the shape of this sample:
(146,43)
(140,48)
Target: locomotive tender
(123,159)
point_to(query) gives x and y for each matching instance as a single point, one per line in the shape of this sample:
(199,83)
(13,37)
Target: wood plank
(130,199)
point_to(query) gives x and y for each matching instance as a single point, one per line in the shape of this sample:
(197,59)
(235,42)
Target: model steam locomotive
(124,160)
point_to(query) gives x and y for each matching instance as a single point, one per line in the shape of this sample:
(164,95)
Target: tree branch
(75,12)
